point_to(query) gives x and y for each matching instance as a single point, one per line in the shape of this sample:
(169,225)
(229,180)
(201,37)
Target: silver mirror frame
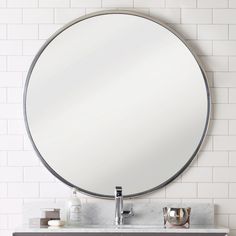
(94,15)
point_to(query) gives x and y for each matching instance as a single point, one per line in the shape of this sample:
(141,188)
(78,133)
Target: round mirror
(116,99)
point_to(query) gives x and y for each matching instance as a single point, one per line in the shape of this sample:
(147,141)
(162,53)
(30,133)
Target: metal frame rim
(127,12)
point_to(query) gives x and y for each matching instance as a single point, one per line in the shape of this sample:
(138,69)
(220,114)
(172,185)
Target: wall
(208,25)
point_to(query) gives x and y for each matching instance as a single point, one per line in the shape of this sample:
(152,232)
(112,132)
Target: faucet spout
(120,214)
(118,205)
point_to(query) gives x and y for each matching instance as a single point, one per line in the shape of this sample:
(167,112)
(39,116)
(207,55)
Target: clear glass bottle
(73,209)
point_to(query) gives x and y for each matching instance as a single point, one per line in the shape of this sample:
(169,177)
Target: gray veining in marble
(101,212)
(144,213)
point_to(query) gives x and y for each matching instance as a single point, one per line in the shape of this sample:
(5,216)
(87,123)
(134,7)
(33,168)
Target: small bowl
(176,216)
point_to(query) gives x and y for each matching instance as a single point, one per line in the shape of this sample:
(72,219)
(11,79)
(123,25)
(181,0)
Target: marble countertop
(128,229)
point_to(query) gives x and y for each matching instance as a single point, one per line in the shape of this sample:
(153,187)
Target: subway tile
(118,3)
(22,158)
(46,30)
(225,79)
(197,174)
(224,143)
(11,206)
(3,63)
(215,63)
(10,16)
(232,127)
(232,63)
(219,95)
(232,32)
(37,174)
(212,190)
(11,174)
(3,126)
(213,158)
(23,190)
(186,31)
(10,47)
(3,158)
(196,16)
(5,232)
(15,221)
(10,79)
(15,95)
(201,47)
(224,16)
(26,31)
(225,206)
(181,190)
(224,174)
(3,31)
(213,32)
(54,189)
(19,63)
(221,220)
(232,221)
(197,200)
(3,95)
(224,48)
(86,3)
(212,3)
(10,111)
(22,3)
(218,127)
(31,47)
(232,158)
(54,3)
(11,142)
(232,232)
(224,111)
(149,3)
(16,126)
(3,222)
(232,95)
(232,190)
(192,28)
(3,192)
(66,15)
(232,4)
(38,16)
(166,15)
(163,200)
(3,3)
(180,3)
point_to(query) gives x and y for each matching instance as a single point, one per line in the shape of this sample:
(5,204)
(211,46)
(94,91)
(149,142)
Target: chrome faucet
(120,214)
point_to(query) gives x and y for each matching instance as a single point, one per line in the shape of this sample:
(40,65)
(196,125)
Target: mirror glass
(116,99)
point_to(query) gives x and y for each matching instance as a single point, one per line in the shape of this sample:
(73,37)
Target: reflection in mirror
(116,99)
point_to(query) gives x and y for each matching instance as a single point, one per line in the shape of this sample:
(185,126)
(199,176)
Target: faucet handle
(128,213)
(118,191)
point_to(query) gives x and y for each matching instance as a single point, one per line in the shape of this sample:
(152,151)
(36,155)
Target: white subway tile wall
(207,25)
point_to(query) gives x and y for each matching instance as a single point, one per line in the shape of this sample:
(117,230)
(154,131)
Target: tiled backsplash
(208,25)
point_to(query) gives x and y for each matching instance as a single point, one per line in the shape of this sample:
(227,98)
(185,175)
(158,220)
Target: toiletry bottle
(73,209)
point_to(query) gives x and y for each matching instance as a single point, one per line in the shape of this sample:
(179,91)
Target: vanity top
(127,229)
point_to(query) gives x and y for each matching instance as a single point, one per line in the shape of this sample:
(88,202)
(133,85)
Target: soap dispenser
(73,209)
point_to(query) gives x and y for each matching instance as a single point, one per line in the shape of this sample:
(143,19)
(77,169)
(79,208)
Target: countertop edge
(146,229)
